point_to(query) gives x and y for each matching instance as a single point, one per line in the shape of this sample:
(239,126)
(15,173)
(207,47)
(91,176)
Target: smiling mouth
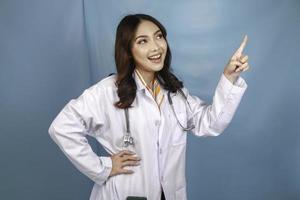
(155,58)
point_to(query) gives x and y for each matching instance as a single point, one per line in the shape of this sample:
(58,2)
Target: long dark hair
(125,63)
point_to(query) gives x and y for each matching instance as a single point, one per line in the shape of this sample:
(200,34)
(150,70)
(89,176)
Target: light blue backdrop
(50,51)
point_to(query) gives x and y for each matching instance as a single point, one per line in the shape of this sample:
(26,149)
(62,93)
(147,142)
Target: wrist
(231,78)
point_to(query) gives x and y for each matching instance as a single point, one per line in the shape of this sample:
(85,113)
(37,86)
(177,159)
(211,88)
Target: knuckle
(125,152)
(125,157)
(244,59)
(232,62)
(131,157)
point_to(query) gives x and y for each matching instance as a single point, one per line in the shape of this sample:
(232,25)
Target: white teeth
(155,57)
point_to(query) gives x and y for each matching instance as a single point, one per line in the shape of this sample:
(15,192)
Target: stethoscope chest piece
(128,140)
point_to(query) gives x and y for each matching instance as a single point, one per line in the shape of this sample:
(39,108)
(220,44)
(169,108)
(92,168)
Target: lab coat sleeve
(78,118)
(211,120)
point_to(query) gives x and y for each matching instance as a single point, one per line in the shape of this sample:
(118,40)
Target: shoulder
(107,83)
(105,89)
(101,88)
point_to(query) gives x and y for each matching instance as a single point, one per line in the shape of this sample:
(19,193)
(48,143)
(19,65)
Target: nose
(154,46)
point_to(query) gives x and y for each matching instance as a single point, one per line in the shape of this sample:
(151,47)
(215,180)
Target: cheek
(136,53)
(139,55)
(164,45)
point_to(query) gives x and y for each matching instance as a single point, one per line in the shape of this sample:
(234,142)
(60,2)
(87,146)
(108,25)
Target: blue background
(50,51)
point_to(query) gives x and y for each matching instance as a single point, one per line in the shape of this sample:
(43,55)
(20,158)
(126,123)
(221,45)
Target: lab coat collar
(139,85)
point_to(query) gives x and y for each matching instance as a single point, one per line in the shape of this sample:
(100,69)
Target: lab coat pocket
(179,135)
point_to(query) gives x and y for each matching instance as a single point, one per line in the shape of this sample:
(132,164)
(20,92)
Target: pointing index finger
(241,48)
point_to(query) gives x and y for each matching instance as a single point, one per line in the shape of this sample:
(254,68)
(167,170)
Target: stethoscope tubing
(128,139)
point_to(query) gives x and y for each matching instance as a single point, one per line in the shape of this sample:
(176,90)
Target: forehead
(146,28)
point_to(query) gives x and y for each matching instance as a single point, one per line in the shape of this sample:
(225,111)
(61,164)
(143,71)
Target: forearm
(211,120)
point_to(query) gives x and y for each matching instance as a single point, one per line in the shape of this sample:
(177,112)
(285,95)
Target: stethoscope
(128,139)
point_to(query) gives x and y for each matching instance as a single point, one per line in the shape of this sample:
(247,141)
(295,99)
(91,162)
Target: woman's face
(149,47)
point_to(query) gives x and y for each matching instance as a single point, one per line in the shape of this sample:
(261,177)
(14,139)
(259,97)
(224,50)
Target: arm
(78,118)
(211,120)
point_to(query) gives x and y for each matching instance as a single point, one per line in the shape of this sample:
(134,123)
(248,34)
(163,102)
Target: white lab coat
(159,141)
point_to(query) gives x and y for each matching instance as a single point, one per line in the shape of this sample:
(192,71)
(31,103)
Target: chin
(156,67)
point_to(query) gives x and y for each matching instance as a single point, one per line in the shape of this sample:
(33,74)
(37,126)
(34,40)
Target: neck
(147,76)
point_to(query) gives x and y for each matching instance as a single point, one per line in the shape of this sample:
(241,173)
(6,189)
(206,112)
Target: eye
(143,41)
(159,36)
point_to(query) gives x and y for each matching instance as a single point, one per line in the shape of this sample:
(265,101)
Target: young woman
(141,117)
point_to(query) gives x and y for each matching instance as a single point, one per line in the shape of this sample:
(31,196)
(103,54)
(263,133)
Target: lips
(155,58)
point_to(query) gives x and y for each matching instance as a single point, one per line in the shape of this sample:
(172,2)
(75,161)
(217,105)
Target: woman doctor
(141,117)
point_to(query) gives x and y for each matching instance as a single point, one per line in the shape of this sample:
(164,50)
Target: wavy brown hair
(125,64)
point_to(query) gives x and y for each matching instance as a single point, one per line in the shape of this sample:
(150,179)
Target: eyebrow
(142,36)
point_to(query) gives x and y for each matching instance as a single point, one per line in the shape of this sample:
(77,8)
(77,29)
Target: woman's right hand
(122,159)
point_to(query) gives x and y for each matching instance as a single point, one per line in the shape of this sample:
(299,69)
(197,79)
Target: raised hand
(237,64)
(122,159)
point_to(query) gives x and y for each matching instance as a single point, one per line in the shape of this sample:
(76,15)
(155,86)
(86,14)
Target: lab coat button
(160,151)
